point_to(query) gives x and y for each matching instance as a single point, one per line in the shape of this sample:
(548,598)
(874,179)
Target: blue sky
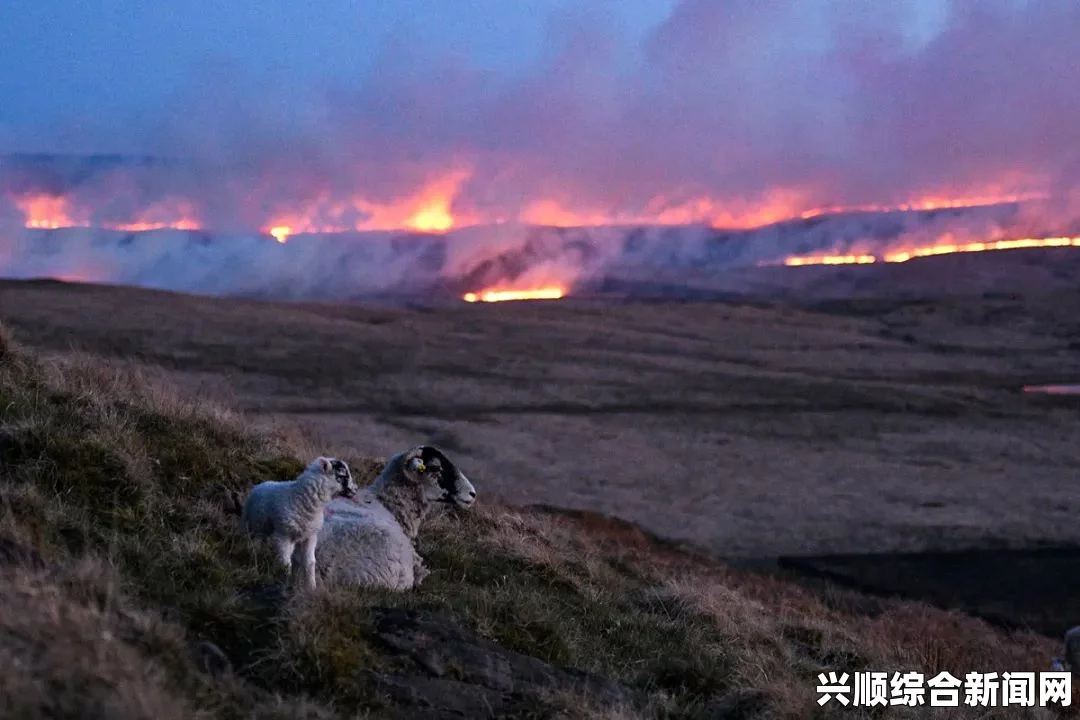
(61,60)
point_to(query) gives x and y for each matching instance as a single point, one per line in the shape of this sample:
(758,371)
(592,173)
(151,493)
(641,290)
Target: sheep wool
(370,540)
(291,512)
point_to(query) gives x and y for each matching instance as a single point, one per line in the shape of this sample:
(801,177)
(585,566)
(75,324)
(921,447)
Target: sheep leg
(307,548)
(285,548)
(419,571)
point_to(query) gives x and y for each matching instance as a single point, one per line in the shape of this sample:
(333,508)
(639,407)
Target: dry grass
(66,656)
(113,480)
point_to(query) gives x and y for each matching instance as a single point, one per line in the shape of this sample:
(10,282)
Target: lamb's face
(439,479)
(339,470)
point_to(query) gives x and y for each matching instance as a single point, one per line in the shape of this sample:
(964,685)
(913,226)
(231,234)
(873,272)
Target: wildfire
(431,208)
(944,248)
(49,212)
(142,226)
(427,210)
(933,203)
(545,293)
(281,233)
(661,210)
(777,206)
(45,211)
(172,215)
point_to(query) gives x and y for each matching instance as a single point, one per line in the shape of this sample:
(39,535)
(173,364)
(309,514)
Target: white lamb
(291,512)
(370,539)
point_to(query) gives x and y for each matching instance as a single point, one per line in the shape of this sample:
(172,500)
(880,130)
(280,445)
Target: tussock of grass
(116,557)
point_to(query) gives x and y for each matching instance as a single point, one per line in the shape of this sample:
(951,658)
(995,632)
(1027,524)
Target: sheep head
(1072,648)
(438,478)
(339,471)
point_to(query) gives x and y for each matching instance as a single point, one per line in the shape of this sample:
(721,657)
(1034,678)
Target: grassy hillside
(117,561)
(864,426)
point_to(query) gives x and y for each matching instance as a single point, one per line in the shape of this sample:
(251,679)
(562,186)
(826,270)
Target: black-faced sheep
(291,512)
(370,539)
(1071,661)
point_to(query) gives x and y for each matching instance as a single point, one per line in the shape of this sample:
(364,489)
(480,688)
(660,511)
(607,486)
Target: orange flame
(45,211)
(544,293)
(428,210)
(943,248)
(281,233)
(177,215)
(50,212)
(431,209)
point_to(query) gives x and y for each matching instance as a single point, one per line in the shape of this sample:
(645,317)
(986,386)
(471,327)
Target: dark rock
(467,672)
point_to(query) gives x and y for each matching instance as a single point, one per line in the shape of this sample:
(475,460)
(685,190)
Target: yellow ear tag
(420,467)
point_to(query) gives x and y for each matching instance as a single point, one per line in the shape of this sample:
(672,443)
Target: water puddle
(1054,389)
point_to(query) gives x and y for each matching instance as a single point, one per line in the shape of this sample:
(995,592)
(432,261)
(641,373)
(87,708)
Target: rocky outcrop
(463,675)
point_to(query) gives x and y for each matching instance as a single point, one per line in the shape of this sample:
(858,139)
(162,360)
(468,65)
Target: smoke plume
(371,265)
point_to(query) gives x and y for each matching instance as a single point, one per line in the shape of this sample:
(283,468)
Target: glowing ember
(144,226)
(548,293)
(831,260)
(946,248)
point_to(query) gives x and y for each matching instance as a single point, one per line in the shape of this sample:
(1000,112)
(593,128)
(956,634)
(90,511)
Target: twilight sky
(616,105)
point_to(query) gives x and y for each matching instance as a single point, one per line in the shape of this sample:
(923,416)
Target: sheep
(1071,661)
(370,540)
(291,512)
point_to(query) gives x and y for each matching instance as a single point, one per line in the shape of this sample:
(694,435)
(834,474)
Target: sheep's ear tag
(420,466)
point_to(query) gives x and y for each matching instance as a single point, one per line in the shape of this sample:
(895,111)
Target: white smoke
(354,265)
